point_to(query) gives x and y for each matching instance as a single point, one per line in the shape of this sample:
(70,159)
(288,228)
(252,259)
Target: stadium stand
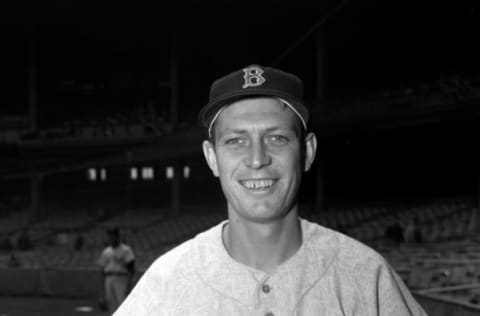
(443,259)
(453,300)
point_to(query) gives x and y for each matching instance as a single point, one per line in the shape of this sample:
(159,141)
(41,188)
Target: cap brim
(210,110)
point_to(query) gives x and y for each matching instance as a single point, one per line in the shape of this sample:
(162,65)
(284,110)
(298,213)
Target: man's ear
(210,156)
(310,150)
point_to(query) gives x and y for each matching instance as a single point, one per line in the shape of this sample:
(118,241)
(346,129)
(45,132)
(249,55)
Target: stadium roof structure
(371,45)
(95,49)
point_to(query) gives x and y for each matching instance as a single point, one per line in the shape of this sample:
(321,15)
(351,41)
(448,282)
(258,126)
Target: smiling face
(257,156)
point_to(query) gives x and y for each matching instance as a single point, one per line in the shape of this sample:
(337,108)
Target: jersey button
(269,314)
(266,290)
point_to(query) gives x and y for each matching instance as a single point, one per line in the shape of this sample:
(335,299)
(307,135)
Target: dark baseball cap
(254,80)
(114,231)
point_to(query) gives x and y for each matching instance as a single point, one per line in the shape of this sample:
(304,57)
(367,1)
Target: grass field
(47,306)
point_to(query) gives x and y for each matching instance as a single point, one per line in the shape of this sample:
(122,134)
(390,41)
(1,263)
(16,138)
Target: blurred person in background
(117,261)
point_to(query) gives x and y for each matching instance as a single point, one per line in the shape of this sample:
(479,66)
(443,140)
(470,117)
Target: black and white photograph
(243,158)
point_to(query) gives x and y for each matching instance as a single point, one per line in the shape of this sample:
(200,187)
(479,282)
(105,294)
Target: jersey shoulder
(181,259)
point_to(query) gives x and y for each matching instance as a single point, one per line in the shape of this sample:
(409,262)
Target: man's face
(257,156)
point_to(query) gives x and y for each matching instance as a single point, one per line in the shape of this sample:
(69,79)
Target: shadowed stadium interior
(98,129)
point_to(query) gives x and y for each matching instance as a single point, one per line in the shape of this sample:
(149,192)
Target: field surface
(47,306)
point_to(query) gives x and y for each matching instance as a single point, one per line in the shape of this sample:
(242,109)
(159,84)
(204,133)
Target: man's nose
(258,155)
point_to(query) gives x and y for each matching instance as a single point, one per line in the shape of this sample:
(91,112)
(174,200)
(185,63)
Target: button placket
(261,279)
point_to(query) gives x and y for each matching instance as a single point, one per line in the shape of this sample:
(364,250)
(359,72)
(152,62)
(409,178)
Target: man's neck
(263,246)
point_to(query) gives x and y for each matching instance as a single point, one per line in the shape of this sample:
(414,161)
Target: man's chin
(263,214)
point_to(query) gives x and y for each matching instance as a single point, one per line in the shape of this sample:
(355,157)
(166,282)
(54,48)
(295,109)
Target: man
(118,264)
(265,260)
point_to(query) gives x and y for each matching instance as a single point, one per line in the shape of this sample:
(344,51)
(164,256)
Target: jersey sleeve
(393,295)
(102,259)
(129,256)
(150,295)
(157,291)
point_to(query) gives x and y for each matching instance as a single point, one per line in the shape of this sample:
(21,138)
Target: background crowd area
(434,245)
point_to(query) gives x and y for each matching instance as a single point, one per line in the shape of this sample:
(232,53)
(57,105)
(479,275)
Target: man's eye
(278,139)
(235,141)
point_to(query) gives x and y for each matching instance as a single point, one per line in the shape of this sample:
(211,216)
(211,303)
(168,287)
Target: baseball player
(118,264)
(265,260)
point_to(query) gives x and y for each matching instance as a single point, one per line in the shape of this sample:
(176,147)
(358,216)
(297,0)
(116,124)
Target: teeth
(257,184)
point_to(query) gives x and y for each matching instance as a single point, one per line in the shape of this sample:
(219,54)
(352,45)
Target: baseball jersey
(114,260)
(330,274)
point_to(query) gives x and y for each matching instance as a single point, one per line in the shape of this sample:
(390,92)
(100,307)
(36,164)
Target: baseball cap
(115,231)
(254,80)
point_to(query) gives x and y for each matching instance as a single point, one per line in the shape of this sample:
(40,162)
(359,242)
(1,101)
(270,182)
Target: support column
(130,182)
(35,198)
(477,198)
(321,69)
(32,87)
(129,197)
(176,190)
(478,183)
(174,87)
(320,181)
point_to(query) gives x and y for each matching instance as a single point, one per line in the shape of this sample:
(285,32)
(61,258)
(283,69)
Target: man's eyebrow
(268,129)
(280,128)
(234,130)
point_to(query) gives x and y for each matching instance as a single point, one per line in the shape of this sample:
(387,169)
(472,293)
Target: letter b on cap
(253,77)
